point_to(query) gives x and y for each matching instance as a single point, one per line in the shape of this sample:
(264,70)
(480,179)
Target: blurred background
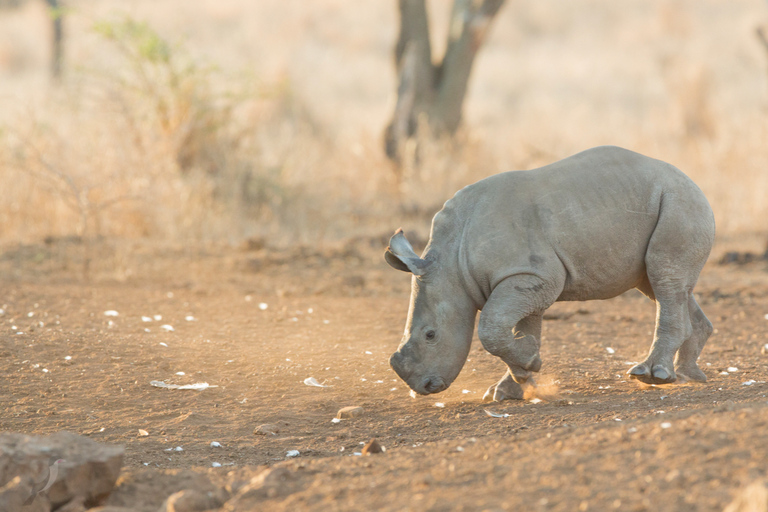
(233,121)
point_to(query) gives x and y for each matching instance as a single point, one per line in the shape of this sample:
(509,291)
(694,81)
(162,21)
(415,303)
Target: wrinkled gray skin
(589,227)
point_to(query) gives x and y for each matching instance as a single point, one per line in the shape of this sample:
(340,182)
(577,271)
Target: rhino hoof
(663,375)
(692,374)
(505,389)
(658,375)
(639,371)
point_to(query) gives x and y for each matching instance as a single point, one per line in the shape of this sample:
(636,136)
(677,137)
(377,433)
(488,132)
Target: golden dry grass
(277,131)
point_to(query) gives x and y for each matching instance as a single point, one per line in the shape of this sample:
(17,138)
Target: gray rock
(61,469)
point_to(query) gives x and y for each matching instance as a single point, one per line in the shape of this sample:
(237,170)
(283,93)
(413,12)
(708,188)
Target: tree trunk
(426,90)
(54,10)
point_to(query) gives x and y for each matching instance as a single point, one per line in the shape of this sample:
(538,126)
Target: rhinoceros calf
(591,226)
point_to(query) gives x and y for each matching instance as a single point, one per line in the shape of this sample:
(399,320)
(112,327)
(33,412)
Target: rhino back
(585,220)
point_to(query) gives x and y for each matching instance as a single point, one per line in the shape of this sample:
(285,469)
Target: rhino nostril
(434,385)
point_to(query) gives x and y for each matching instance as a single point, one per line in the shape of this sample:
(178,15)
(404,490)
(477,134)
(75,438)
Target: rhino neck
(448,244)
(465,276)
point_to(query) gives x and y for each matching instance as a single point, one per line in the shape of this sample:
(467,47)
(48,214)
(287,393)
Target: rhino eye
(430,335)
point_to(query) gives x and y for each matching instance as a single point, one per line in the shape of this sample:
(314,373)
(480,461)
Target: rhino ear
(401,256)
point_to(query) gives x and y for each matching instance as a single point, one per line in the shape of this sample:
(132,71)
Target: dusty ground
(595,442)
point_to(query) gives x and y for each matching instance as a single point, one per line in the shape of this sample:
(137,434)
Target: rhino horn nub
(401,256)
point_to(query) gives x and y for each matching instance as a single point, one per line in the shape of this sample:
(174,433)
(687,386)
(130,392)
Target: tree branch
(762,37)
(470,21)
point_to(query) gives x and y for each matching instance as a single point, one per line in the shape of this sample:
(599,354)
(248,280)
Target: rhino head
(440,322)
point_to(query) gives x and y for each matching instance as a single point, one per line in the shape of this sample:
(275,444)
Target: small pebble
(666,425)
(215,464)
(267,429)
(349,412)
(292,453)
(111,312)
(263,306)
(215,444)
(732,369)
(610,350)
(167,327)
(372,447)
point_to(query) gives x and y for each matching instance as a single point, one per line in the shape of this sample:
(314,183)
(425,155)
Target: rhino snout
(398,363)
(405,370)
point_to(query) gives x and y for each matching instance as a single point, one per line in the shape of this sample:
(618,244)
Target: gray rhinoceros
(591,226)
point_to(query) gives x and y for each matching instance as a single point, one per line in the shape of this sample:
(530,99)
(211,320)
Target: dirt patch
(595,441)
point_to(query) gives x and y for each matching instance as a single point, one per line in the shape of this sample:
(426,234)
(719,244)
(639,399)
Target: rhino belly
(607,263)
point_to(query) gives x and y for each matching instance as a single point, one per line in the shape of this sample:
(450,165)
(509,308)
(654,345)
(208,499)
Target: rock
(76,505)
(372,447)
(274,482)
(61,469)
(111,508)
(268,429)
(18,491)
(349,412)
(146,489)
(753,498)
(191,500)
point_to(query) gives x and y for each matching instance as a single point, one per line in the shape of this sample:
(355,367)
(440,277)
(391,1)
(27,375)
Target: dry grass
(263,119)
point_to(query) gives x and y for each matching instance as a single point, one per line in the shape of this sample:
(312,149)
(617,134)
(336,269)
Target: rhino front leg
(510,328)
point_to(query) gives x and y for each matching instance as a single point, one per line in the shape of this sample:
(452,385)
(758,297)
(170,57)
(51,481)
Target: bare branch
(470,21)
(762,37)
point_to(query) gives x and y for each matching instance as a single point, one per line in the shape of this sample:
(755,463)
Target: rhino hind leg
(685,362)
(673,328)
(676,253)
(506,389)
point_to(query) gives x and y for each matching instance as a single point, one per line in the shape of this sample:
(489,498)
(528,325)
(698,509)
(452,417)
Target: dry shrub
(157,148)
(145,139)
